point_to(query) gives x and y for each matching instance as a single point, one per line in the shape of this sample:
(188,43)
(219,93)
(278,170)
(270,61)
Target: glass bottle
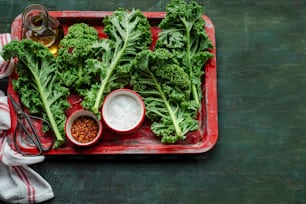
(40,27)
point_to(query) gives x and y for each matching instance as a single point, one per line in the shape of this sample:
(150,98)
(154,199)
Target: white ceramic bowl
(123,110)
(72,119)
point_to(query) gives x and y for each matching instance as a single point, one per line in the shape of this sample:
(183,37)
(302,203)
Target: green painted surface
(260,156)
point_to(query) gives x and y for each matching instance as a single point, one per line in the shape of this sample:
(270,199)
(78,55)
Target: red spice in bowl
(83,128)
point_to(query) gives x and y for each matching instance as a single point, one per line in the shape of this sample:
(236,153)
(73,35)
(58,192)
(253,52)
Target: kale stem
(194,91)
(46,106)
(110,70)
(168,106)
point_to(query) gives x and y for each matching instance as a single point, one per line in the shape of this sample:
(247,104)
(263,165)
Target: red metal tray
(143,141)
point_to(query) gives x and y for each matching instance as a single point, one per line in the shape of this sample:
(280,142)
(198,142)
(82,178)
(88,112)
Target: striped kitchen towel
(5,118)
(18,182)
(6,67)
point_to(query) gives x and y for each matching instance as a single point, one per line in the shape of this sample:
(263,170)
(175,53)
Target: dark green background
(260,156)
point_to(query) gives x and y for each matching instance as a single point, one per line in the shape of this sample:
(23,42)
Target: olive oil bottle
(40,27)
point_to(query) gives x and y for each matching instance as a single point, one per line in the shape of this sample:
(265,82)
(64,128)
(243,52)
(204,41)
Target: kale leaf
(74,49)
(165,88)
(183,33)
(39,85)
(128,33)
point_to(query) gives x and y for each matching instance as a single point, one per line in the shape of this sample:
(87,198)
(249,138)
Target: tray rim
(210,96)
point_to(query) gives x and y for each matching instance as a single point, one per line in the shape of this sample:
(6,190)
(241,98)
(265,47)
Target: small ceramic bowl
(123,110)
(83,128)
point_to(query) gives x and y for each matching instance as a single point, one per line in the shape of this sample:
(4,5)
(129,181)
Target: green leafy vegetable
(165,87)
(184,35)
(38,84)
(170,77)
(74,49)
(128,33)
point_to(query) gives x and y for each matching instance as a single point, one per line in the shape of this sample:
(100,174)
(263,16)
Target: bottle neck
(35,18)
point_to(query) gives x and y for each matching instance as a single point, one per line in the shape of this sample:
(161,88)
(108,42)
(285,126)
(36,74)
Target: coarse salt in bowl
(123,110)
(83,128)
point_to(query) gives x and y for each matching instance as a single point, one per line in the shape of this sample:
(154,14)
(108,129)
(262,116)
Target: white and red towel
(18,182)
(6,67)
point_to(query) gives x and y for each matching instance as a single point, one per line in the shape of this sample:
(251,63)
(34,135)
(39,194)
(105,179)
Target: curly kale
(74,49)
(128,33)
(183,33)
(165,88)
(39,85)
